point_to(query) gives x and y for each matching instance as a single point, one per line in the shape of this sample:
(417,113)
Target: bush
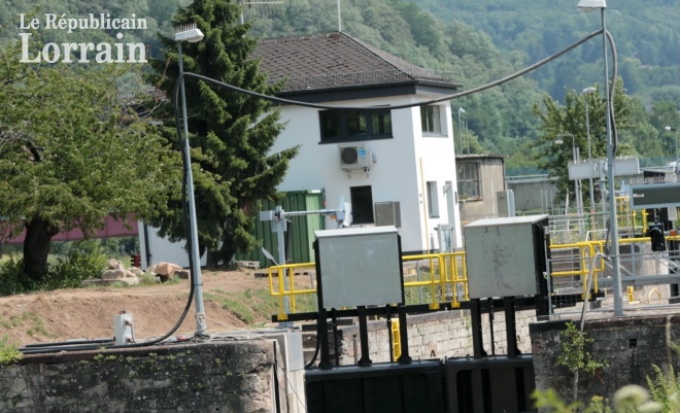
(85,261)
(12,278)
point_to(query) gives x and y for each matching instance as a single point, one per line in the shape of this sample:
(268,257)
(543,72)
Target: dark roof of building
(336,60)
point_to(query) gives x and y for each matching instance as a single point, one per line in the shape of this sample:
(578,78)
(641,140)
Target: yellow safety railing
(442,276)
(284,273)
(397,342)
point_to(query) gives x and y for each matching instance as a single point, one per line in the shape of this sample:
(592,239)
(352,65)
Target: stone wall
(217,376)
(629,345)
(435,335)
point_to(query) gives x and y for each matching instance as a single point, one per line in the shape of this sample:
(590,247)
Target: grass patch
(254,305)
(35,326)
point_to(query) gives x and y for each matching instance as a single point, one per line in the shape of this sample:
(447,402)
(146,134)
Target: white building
(395,166)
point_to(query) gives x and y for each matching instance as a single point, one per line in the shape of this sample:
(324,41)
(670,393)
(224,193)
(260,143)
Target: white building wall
(403,166)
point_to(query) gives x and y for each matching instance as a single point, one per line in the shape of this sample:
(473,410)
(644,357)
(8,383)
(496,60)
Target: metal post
(193,229)
(588,142)
(614,243)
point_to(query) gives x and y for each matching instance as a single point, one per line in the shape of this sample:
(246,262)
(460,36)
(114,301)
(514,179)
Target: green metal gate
(300,232)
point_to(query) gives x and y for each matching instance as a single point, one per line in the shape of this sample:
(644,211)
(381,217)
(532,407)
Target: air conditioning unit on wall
(355,156)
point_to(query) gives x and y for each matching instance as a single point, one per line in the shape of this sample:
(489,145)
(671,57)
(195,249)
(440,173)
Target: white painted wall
(162,249)
(403,165)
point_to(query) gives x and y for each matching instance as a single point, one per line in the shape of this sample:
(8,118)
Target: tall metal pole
(193,228)
(461,110)
(588,142)
(614,243)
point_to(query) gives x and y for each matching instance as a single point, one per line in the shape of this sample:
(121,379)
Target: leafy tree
(232,132)
(71,154)
(566,122)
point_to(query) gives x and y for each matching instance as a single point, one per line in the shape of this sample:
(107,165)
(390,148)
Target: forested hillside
(477,41)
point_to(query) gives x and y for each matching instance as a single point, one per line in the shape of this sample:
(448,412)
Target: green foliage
(8,351)
(71,153)
(80,264)
(575,355)
(12,278)
(664,388)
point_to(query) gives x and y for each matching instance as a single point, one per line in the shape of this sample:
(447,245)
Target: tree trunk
(39,233)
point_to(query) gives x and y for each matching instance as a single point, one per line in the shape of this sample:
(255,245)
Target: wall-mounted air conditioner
(355,156)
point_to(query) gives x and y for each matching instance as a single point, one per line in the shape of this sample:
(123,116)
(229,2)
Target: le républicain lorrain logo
(82,52)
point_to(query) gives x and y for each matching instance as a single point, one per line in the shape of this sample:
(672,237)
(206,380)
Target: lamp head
(189,33)
(591,4)
(462,110)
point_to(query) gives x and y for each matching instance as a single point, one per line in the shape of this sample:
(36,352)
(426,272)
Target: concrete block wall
(434,335)
(218,376)
(630,345)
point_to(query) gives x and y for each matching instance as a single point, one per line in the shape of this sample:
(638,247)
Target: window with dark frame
(468,177)
(362,205)
(430,120)
(354,125)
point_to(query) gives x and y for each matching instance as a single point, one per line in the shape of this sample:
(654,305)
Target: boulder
(165,269)
(114,264)
(117,274)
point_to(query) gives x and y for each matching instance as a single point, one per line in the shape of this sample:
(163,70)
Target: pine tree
(231,132)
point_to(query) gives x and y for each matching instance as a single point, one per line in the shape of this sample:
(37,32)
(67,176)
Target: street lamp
(585,92)
(578,184)
(461,110)
(614,243)
(191,34)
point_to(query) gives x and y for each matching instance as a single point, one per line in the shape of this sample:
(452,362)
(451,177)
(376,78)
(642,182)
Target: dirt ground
(87,313)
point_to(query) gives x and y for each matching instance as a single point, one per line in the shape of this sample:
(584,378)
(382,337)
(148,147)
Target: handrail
(443,273)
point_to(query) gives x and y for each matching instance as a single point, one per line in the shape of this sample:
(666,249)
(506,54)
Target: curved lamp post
(191,34)
(613,254)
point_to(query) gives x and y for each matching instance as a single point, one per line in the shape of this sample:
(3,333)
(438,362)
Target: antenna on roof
(242,3)
(340,26)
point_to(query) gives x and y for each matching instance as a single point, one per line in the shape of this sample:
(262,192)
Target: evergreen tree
(231,133)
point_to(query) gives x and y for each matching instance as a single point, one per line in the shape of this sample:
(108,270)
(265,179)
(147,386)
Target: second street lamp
(613,254)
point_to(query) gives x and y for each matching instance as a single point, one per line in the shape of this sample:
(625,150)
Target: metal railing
(442,278)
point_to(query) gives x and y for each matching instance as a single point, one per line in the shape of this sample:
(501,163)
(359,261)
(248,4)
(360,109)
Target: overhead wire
(103,344)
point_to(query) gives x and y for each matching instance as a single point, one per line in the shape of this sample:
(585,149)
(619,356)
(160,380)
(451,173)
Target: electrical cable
(91,344)
(405,106)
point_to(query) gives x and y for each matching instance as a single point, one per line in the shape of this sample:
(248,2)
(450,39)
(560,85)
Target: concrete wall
(218,376)
(630,345)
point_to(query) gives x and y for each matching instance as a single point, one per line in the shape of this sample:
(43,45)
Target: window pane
(381,123)
(433,204)
(430,119)
(330,124)
(356,123)
(469,183)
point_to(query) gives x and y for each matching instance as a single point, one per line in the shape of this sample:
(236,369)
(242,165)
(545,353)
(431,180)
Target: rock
(138,272)
(114,264)
(165,269)
(117,274)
